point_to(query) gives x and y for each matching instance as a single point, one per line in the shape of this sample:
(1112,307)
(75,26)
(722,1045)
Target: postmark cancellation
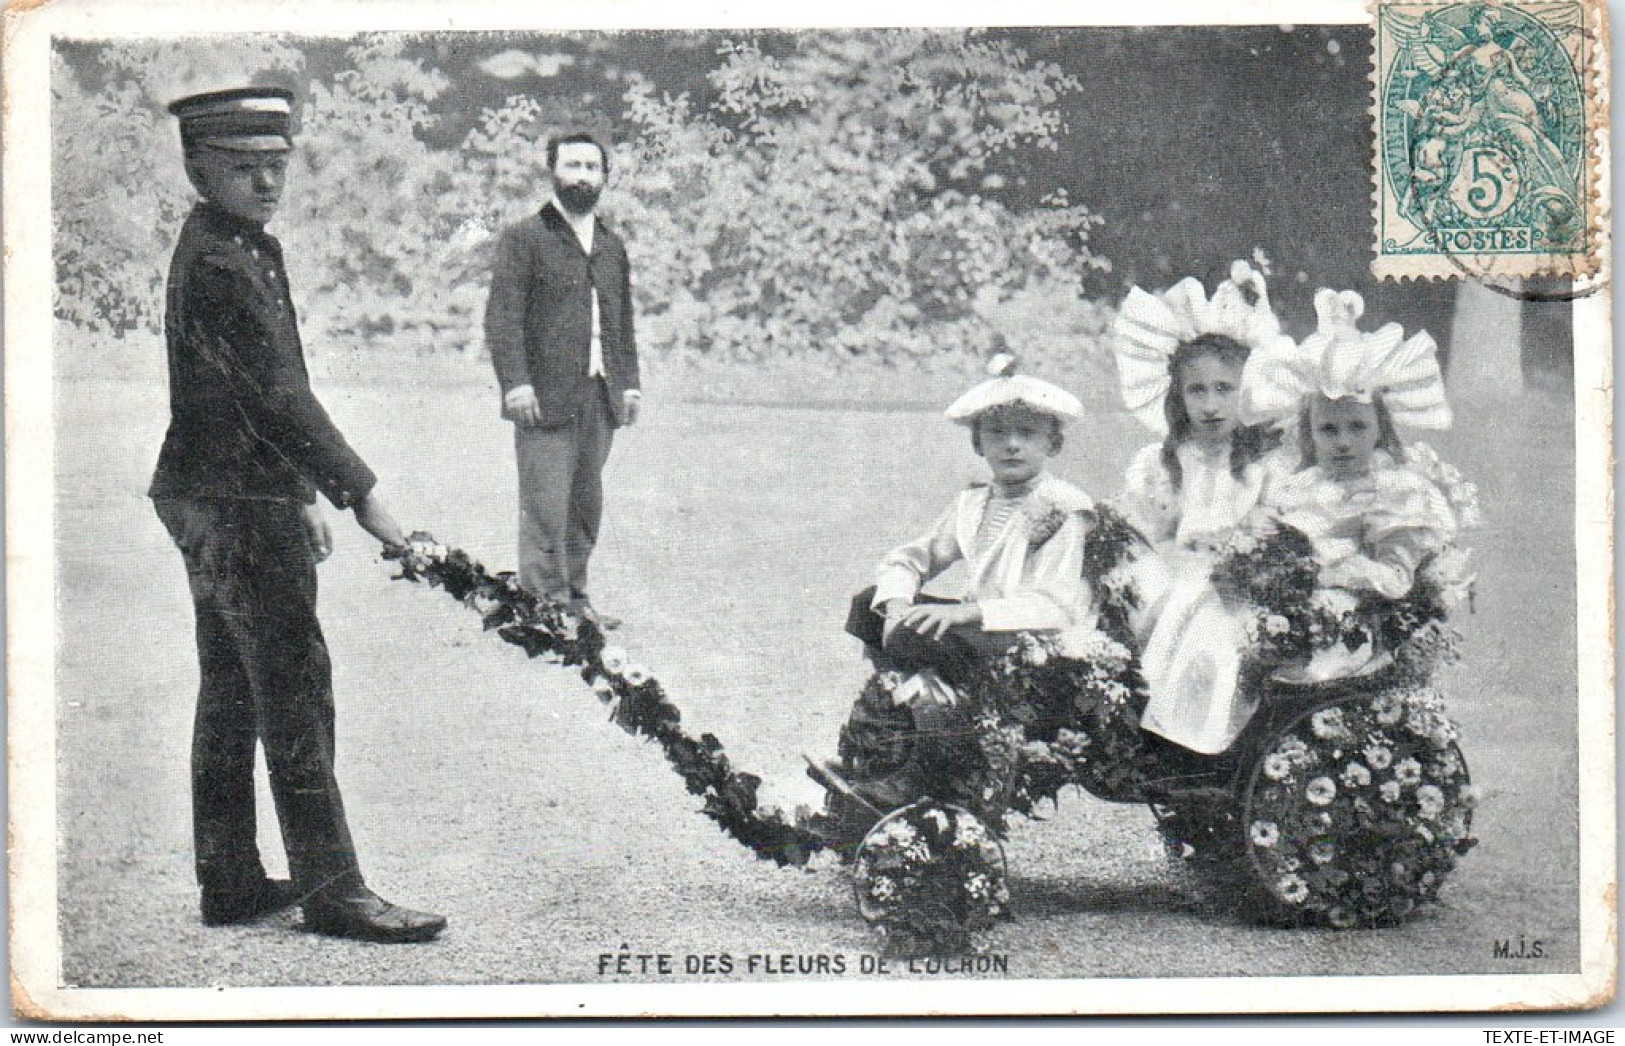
(1487,139)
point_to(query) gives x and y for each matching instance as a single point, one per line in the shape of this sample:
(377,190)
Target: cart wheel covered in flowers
(1357,804)
(931,872)
(1346,801)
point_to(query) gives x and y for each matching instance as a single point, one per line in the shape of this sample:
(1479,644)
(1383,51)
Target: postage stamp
(1486,121)
(1036,567)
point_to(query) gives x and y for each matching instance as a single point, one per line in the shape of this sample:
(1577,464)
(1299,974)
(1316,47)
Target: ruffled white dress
(1370,535)
(1191,643)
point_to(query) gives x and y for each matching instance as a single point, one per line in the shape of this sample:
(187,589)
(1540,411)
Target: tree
(364,210)
(838,197)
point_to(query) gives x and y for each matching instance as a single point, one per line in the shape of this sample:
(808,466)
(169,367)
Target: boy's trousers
(959,655)
(265,676)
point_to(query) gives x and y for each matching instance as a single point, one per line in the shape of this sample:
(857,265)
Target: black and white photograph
(680,512)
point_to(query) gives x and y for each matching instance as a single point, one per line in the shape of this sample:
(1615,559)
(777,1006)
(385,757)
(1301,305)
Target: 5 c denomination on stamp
(1484,133)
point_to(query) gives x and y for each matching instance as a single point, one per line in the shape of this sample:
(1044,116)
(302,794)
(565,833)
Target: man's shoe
(362,915)
(245,904)
(583,608)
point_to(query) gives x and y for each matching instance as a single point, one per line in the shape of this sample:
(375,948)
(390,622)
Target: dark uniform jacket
(538,322)
(243,421)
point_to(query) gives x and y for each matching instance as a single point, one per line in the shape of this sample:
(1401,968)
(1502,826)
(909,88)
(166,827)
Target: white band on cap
(239,105)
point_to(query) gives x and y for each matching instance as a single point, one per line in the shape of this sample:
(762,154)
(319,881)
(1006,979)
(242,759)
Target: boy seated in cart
(1021,537)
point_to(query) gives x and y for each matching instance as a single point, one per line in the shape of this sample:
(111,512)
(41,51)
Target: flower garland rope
(638,703)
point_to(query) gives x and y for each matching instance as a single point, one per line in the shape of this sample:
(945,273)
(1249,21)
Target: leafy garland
(1108,552)
(1058,711)
(1078,707)
(638,703)
(986,777)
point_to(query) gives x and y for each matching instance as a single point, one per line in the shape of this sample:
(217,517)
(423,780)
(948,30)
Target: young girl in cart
(1183,360)
(1362,498)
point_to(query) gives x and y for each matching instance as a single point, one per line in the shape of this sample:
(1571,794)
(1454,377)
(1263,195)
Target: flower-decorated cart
(1345,801)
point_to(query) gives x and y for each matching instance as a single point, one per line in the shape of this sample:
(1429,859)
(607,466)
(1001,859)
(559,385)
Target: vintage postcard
(893,509)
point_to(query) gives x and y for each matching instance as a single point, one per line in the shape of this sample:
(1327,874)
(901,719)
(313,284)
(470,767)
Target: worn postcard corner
(521,518)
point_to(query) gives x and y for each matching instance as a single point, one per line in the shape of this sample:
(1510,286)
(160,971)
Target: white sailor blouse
(1025,569)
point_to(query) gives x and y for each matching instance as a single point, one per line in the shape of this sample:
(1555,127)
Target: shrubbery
(837,197)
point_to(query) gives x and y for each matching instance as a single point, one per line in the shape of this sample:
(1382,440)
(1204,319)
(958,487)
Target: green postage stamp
(1486,121)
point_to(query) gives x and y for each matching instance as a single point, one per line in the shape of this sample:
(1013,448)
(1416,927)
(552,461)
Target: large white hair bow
(1340,361)
(1149,327)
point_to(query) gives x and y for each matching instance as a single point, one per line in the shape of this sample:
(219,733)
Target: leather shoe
(362,915)
(584,609)
(224,907)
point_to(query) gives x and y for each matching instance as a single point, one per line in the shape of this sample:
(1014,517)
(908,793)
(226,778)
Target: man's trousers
(265,676)
(561,498)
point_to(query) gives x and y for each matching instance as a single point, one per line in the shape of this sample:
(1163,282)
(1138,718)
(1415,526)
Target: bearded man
(559,328)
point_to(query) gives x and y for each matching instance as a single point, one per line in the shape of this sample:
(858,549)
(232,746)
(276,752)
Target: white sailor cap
(1008,388)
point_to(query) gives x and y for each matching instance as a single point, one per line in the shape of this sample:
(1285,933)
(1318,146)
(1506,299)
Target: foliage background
(814,201)
(823,199)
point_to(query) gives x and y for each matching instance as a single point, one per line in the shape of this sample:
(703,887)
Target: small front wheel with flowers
(931,877)
(1357,811)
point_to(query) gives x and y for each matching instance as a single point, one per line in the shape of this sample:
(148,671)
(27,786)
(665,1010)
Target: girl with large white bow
(1184,360)
(1372,517)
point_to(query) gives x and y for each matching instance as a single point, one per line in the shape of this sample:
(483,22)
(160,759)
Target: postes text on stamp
(1482,148)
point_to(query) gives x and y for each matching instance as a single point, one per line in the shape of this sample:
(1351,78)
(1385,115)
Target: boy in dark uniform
(248,446)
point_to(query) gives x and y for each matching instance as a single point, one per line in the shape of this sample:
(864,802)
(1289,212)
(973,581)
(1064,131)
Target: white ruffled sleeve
(905,568)
(1278,467)
(1411,521)
(1148,499)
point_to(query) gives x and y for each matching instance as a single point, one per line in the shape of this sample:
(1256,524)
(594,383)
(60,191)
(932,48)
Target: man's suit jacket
(538,322)
(243,422)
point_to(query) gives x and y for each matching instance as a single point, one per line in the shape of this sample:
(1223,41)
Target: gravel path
(491,788)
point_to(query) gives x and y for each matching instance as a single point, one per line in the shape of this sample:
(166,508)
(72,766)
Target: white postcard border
(31,583)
